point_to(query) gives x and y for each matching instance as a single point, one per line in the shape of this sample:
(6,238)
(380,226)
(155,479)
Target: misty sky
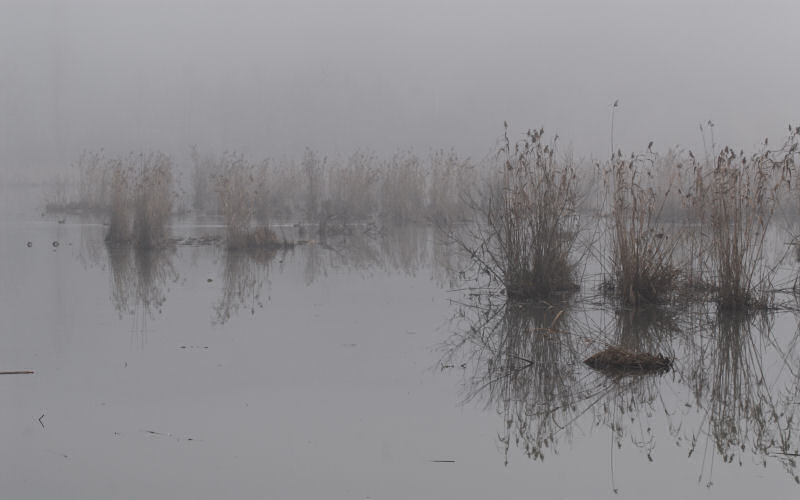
(268,78)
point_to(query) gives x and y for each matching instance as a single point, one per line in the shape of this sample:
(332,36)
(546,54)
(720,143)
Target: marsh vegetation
(672,273)
(666,229)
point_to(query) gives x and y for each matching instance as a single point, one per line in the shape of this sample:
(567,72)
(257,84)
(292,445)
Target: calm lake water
(350,370)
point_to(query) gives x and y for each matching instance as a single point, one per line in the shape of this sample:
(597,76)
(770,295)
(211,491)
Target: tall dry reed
(238,188)
(526,237)
(643,245)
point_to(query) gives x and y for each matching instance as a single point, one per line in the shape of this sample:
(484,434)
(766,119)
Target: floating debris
(617,358)
(55,244)
(29,244)
(198,241)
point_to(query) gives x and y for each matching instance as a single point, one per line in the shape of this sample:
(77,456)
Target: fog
(268,78)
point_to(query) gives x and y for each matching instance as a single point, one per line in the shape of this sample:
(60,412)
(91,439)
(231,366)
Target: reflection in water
(734,383)
(406,249)
(243,278)
(518,354)
(92,248)
(139,279)
(352,249)
(745,381)
(646,330)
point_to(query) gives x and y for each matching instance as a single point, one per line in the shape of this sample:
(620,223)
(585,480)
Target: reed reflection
(732,393)
(392,249)
(516,355)
(139,281)
(745,383)
(244,275)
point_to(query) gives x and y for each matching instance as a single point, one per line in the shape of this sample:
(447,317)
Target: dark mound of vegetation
(619,359)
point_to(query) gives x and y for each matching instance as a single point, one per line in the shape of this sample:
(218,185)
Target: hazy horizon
(270,78)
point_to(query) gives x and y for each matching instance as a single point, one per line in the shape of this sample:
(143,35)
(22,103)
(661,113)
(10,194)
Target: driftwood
(18,372)
(617,358)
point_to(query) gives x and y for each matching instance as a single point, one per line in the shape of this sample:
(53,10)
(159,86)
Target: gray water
(350,369)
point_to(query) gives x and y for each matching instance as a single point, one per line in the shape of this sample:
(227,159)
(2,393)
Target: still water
(351,369)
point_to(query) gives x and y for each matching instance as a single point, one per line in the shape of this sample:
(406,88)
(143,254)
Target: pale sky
(268,78)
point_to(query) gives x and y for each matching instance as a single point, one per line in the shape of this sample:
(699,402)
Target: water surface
(348,369)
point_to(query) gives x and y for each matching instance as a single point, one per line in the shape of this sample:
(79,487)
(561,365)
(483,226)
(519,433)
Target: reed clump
(643,245)
(153,200)
(141,200)
(532,223)
(742,195)
(238,186)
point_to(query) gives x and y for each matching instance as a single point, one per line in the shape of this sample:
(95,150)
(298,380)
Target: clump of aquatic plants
(643,246)
(141,200)
(527,239)
(742,195)
(153,200)
(238,188)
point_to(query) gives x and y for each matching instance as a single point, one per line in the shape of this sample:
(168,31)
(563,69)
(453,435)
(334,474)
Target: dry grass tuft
(742,195)
(643,267)
(141,200)
(532,224)
(239,185)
